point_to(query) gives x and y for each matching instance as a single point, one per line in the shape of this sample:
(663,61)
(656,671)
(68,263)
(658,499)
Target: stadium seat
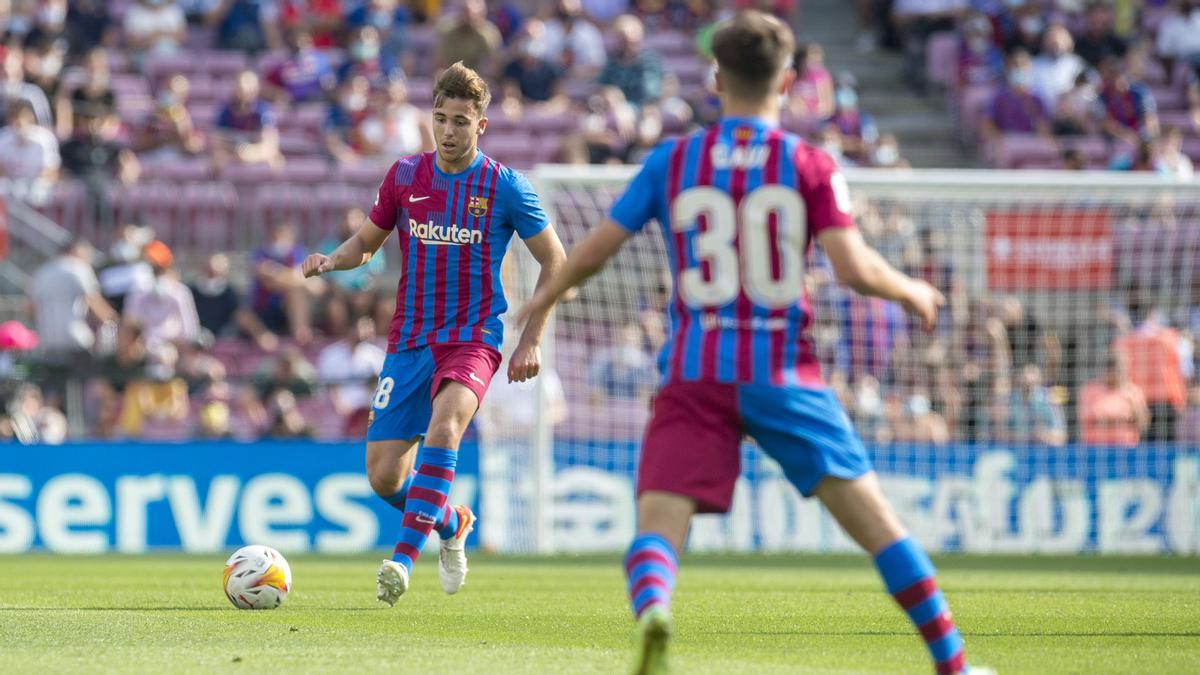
(941,59)
(178,169)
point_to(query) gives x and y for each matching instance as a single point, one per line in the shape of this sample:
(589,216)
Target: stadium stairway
(922,124)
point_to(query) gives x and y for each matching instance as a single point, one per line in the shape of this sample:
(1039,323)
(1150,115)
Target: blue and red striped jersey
(740,203)
(454,230)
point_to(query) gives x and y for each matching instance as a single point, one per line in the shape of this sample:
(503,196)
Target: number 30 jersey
(740,204)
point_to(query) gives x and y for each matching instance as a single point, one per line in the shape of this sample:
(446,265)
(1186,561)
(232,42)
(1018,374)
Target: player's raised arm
(547,249)
(586,259)
(862,268)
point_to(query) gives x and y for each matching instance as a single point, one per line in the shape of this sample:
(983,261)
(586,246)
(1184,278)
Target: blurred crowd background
(194,151)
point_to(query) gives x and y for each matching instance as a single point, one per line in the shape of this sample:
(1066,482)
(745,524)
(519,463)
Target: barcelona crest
(477,206)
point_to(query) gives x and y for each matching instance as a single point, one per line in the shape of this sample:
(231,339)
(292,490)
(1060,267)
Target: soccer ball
(257,577)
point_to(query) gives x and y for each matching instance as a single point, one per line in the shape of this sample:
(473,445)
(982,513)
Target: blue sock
(650,567)
(448,521)
(424,502)
(908,574)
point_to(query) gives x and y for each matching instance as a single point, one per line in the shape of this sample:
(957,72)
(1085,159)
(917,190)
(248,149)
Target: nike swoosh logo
(414,199)
(476,378)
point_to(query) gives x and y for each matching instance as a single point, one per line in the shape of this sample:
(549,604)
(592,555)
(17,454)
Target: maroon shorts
(470,364)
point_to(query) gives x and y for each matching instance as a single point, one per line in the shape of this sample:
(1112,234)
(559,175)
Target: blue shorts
(403,403)
(693,442)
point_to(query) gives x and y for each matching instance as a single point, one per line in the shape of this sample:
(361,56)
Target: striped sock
(908,575)
(424,502)
(447,525)
(650,567)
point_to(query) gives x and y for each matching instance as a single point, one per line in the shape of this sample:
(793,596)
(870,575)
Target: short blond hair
(459,81)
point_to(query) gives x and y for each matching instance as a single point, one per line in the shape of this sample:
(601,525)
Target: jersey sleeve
(824,190)
(641,200)
(525,211)
(387,202)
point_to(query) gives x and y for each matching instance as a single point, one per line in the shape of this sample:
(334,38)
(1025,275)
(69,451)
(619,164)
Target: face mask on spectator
(280,249)
(364,51)
(1031,25)
(354,101)
(847,98)
(886,155)
(1020,77)
(379,19)
(52,15)
(978,44)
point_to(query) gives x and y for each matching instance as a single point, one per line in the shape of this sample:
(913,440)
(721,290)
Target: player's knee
(384,485)
(445,433)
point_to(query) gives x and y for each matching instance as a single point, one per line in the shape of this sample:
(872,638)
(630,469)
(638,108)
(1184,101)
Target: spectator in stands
(13,87)
(980,61)
(1129,109)
(95,158)
(858,131)
(390,18)
(158,397)
(916,21)
(1142,158)
(829,139)
(324,19)
(394,127)
(246,130)
(467,36)
(1076,110)
(88,26)
(219,309)
(609,126)
(288,371)
(168,131)
(214,421)
(280,296)
(1024,27)
(1072,160)
(248,420)
(303,77)
(507,17)
(676,112)
(811,97)
(351,365)
(93,95)
(245,25)
(287,422)
(538,80)
(202,371)
(49,21)
(344,124)
(154,27)
(1112,410)
(365,56)
(1099,40)
(1029,414)
(574,40)
(623,371)
(353,293)
(1179,34)
(1172,163)
(912,419)
(126,268)
(886,154)
(1057,67)
(1160,365)
(29,156)
(1015,108)
(871,330)
(636,72)
(165,310)
(44,65)
(32,421)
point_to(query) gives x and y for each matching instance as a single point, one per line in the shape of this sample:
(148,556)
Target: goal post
(1053,409)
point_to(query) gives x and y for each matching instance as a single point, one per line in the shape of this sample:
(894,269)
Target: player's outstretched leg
(650,568)
(864,513)
(448,522)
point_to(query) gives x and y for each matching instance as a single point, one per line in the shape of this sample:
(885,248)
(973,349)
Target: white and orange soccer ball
(257,577)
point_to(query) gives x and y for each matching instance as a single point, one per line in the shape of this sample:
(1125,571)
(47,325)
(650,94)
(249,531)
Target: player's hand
(316,264)
(923,302)
(525,362)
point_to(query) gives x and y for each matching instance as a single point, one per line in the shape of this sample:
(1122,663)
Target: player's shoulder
(403,172)
(508,179)
(812,163)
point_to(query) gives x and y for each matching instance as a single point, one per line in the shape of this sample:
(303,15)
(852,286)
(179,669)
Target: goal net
(1053,408)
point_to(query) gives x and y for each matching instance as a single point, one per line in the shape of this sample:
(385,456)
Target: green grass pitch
(734,614)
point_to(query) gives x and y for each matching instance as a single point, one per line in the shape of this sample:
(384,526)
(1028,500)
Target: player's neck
(458,166)
(767,110)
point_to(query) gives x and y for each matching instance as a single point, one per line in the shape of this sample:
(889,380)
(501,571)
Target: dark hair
(459,81)
(751,49)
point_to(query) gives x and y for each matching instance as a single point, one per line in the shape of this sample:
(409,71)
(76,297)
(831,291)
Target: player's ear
(482,124)
(786,81)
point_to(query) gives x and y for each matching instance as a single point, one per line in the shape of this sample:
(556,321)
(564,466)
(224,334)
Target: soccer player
(740,204)
(456,210)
